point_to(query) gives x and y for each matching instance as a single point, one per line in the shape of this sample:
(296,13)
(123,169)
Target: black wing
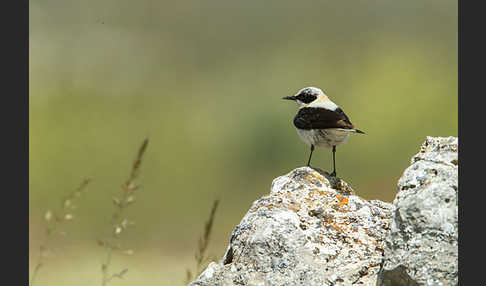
(321,118)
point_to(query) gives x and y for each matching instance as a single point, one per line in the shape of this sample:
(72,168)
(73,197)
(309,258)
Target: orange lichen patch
(336,227)
(342,202)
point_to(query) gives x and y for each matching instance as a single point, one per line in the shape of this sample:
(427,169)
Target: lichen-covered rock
(421,248)
(310,230)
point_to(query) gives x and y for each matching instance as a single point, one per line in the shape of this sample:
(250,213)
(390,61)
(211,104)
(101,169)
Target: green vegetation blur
(203,80)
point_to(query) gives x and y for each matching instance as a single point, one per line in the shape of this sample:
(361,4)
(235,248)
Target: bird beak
(289,97)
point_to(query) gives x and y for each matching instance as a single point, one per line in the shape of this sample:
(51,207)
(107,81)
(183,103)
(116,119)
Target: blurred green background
(204,81)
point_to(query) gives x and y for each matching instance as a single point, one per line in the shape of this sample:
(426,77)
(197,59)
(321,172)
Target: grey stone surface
(421,248)
(313,230)
(310,230)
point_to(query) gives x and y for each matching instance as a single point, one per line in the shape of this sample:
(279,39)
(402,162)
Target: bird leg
(334,161)
(312,150)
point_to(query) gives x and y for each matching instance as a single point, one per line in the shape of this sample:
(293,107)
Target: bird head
(306,95)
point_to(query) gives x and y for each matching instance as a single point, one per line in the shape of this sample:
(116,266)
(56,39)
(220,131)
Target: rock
(313,230)
(421,248)
(310,230)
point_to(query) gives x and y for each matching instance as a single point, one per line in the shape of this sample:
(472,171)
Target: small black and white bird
(320,122)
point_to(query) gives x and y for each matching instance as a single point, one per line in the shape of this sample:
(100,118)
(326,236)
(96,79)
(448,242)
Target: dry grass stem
(119,223)
(54,221)
(203,243)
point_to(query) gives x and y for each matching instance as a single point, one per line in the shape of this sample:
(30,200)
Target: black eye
(306,97)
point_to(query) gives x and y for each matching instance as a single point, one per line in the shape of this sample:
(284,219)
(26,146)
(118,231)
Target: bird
(320,122)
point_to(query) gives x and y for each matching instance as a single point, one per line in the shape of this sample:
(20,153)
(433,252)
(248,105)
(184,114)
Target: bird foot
(333,174)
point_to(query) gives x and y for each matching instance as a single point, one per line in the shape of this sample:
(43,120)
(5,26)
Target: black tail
(359,131)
